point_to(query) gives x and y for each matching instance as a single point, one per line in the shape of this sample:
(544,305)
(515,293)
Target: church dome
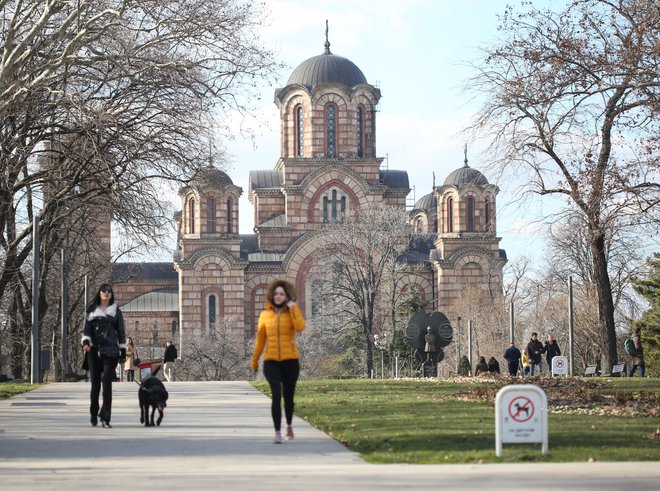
(466,176)
(428,202)
(212,177)
(327,68)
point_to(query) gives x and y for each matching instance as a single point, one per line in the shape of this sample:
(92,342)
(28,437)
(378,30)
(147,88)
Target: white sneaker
(278,437)
(289,433)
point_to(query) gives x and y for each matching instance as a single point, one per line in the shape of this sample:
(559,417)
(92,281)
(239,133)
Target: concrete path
(217,435)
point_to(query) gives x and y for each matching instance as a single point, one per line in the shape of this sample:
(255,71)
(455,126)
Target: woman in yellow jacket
(527,365)
(278,325)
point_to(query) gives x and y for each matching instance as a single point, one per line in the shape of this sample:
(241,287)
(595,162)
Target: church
(328,166)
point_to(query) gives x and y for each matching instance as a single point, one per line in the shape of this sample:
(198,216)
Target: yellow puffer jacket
(277,332)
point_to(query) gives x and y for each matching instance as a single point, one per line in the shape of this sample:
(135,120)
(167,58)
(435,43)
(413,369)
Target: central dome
(327,68)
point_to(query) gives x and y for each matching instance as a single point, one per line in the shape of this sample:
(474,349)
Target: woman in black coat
(104,344)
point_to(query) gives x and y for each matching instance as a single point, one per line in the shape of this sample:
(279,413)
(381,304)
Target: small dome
(212,177)
(327,68)
(466,176)
(428,202)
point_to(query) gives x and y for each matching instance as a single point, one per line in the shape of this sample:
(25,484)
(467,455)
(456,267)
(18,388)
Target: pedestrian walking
(534,351)
(169,358)
(512,357)
(638,357)
(104,344)
(129,364)
(551,349)
(276,331)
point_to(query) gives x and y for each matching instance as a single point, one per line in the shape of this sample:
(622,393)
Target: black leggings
(101,372)
(282,377)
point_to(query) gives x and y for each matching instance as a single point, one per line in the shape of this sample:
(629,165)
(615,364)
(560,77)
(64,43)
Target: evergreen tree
(649,288)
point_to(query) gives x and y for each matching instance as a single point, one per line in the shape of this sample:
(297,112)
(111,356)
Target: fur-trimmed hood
(288,288)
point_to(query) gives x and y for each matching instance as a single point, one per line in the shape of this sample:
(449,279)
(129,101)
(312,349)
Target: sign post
(559,365)
(521,416)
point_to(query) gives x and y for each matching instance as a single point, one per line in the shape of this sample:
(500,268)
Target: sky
(418,52)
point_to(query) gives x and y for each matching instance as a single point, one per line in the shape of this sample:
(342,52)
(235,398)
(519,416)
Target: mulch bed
(572,395)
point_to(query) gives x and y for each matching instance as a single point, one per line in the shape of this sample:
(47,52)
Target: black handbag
(136,361)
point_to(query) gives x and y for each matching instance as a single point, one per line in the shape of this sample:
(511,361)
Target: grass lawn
(422,421)
(8,389)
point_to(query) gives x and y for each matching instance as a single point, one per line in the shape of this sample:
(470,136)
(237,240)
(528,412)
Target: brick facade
(218,268)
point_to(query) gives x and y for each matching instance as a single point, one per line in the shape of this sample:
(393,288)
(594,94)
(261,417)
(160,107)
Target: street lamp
(380,341)
(458,343)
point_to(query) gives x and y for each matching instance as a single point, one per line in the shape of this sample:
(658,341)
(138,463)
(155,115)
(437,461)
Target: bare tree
(107,103)
(359,254)
(219,354)
(573,100)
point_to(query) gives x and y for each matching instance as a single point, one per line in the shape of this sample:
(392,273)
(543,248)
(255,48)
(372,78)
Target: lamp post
(381,343)
(458,343)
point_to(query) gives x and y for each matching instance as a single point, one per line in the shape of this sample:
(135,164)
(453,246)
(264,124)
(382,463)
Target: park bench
(590,371)
(617,370)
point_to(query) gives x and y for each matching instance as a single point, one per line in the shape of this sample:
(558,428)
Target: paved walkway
(217,435)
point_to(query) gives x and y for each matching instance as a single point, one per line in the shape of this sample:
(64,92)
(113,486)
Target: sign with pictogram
(560,365)
(521,416)
(521,409)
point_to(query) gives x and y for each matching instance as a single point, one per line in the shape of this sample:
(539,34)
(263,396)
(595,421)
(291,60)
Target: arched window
(331,130)
(470,214)
(211,311)
(419,225)
(334,204)
(317,298)
(334,207)
(450,215)
(487,216)
(191,216)
(360,131)
(211,222)
(229,217)
(298,131)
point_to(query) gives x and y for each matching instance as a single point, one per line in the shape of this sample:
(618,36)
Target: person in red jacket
(278,324)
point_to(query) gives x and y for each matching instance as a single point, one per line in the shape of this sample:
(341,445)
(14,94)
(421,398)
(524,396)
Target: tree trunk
(370,353)
(605,302)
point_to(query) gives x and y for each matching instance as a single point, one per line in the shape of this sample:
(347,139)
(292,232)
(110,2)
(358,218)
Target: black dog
(152,393)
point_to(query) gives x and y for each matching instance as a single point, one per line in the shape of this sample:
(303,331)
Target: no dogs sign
(521,416)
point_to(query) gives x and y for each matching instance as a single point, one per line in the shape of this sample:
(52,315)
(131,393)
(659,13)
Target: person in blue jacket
(512,356)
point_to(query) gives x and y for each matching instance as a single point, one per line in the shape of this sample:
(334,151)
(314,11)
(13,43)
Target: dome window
(450,215)
(229,216)
(470,214)
(298,131)
(191,216)
(211,222)
(331,130)
(487,216)
(360,131)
